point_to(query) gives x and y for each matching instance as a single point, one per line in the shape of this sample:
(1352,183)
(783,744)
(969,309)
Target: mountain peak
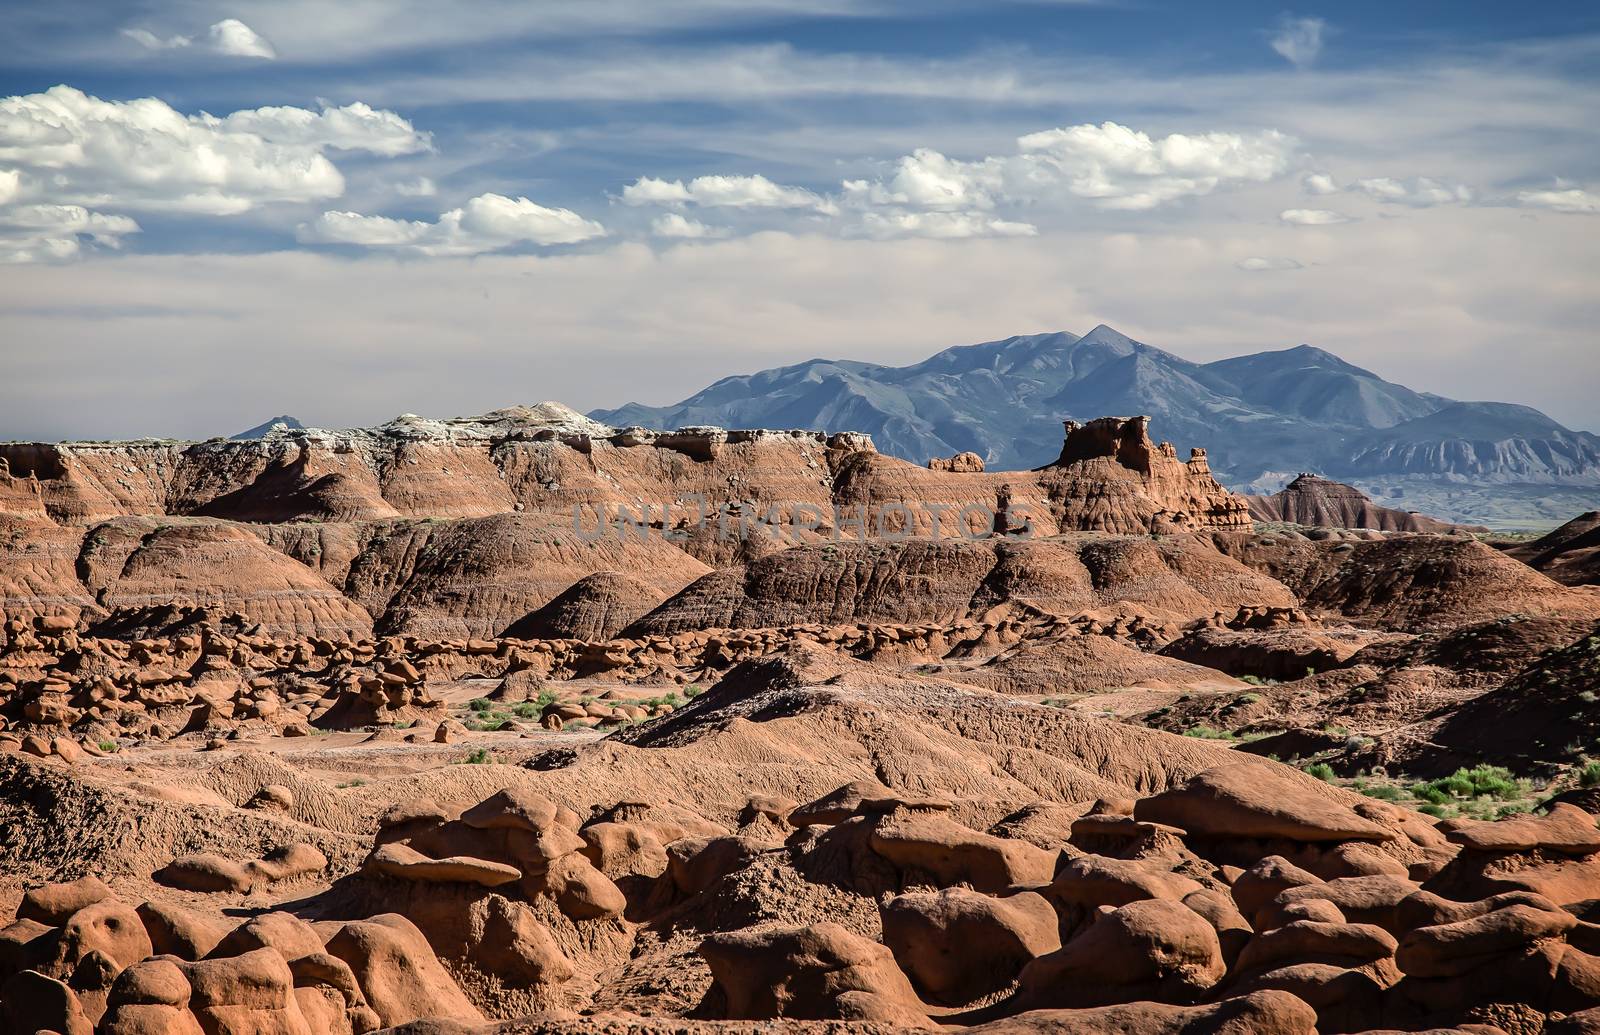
(261,430)
(1105,334)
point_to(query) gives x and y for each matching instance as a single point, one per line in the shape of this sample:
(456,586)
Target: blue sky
(210,213)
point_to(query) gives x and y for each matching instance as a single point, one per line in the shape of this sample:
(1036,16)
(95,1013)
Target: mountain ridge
(1262,416)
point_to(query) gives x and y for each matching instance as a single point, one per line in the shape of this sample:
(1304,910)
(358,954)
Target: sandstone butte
(347,732)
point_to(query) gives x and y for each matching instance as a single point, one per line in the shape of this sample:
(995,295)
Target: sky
(212,214)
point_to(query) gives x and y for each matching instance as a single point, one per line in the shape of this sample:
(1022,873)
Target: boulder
(928,843)
(958,945)
(53,904)
(1259,1013)
(405,863)
(816,972)
(31,1002)
(1259,801)
(1567,830)
(398,972)
(1152,949)
(176,931)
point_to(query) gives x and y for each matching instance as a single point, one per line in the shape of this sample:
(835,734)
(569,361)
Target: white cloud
(53,233)
(149,40)
(1299,40)
(1262,264)
(143,154)
(672,224)
(1122,168)
(927,179)
(10,185)
(1312,217)
(1115,167)
(421,187)
(929,194)
(236,39)
(722,192)
(489,222)
(1319,183)
(1571,200)
(353,127)
(229,37)
(946,225)
(1418,192)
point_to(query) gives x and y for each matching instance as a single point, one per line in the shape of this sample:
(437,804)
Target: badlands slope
(358,731)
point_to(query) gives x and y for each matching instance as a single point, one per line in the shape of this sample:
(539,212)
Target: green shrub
(478,757)
(1321,770)
(1589,775)
(110,747)
(1208,733)
(481,704)
(1483,781)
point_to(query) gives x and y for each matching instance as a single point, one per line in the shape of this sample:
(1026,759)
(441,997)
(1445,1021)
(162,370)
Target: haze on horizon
(213,214)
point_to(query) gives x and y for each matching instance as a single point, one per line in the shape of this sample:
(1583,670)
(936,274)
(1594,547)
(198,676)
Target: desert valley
(526,723)
(1050,517)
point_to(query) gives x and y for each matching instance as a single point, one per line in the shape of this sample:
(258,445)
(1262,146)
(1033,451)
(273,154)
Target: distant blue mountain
(1259,416)
(260,430)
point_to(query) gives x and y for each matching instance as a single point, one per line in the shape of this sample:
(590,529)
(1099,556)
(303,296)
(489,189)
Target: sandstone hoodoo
(360,731)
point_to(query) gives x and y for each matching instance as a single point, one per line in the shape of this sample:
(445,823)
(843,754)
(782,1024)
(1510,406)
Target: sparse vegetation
(1321,770)
(1204,732)
(479,757)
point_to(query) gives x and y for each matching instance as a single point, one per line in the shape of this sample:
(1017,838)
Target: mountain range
(1262,418)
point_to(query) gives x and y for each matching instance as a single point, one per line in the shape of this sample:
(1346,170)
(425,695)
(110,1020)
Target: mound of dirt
(1309,500)
(596,607)
(1409,582)
(1570,554)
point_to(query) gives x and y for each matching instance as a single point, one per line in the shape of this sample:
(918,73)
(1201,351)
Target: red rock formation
(1309,500)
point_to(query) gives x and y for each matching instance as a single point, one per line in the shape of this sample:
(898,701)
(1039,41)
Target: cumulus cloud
(54,233)
(1122,168)
(489,222)
(927,179)
(229,37)
(233,37)
(674,224)
(1110,165)
(1418,192)
(1572,200)
(930,194)
(143,154)
(353,127)
(1319,183)
(1263,264)
(10,185)
(1312,217)
(722,192)
(1299,40)
(946,225)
